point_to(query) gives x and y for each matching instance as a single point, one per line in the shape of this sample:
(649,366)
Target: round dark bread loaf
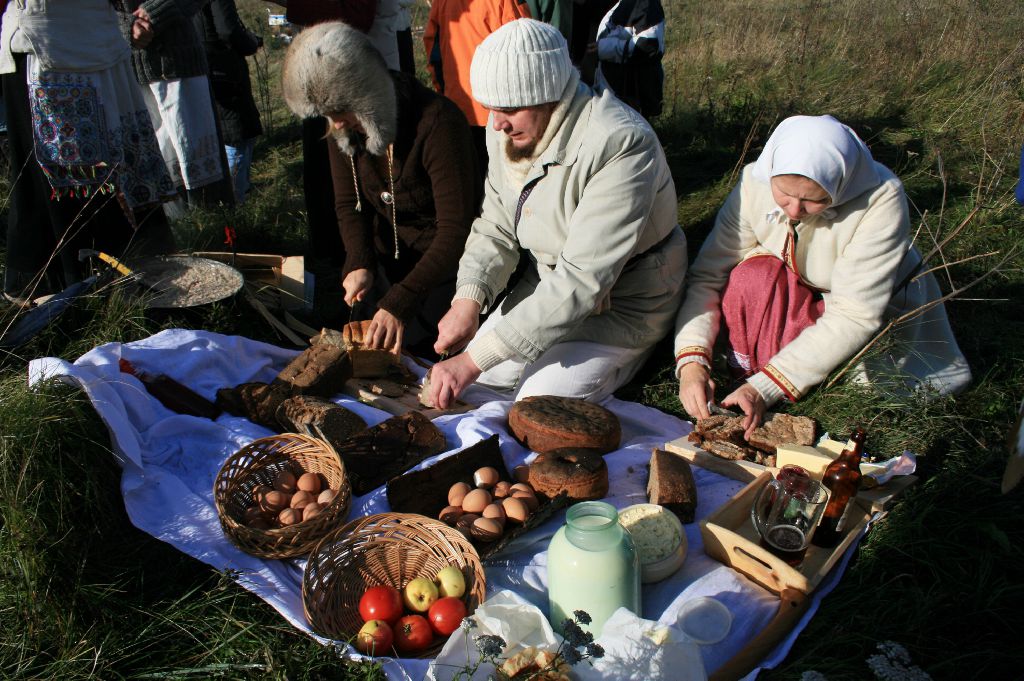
(581,473)
(545,422)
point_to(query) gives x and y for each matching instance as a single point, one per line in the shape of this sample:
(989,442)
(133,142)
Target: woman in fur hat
(405,181)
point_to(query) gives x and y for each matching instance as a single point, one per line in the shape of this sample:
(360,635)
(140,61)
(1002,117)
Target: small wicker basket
(387,548)
(258,463)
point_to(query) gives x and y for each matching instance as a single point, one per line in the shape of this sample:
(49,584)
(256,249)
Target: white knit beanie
(523,63)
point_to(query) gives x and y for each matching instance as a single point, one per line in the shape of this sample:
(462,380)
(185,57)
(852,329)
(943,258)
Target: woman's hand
(458,326)
(357,284)
(750,401)
(142,29)
(449,378)
(385,332)
(696,389)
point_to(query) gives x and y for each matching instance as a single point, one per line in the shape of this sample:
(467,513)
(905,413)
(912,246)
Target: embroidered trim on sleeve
(692,350)
(784,384)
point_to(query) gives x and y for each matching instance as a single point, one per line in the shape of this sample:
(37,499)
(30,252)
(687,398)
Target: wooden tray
(878,499)
(730,537)
(426,491)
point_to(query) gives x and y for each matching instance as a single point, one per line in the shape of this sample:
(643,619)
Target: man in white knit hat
(578,182)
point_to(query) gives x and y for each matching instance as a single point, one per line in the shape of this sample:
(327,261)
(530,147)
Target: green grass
(934,86)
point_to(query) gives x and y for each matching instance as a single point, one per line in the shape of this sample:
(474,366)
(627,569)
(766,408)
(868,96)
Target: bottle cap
(705,620)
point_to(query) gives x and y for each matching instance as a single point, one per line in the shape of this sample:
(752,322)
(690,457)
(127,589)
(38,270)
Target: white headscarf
(822,149)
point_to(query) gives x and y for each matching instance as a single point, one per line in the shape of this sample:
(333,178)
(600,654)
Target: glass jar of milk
(592,566)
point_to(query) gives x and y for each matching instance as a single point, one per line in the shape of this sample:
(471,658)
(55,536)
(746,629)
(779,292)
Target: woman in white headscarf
(809,256)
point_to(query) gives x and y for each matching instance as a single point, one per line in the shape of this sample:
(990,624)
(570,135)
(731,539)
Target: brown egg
(465,524)
(502,489)
(521,473)
(486,529)
(252,514)
(529,498)
(522,487)
(275,500)
(450,515)
(486,477)
(284,481)
(258,492)
(327,496)
(311,511)
(494,511)
(457,492)
(476,501)
(289,516)
(301,499)
(309,482)
(516,510)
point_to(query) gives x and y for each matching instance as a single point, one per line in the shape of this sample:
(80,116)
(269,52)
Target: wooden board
(730,537)
(743,471)
(409,400)
(880,498)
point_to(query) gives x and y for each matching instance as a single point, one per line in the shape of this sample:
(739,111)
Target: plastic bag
(634,648)
(506,614)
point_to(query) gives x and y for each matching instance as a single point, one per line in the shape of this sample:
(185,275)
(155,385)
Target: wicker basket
(387,548)
(258,463)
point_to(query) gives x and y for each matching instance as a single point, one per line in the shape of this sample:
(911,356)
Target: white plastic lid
(705,620)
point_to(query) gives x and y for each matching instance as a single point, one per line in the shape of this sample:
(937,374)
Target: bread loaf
(580,473)
(670,484)
(257,402)
(389,448)
(545,423)
(318,417)
(320,370)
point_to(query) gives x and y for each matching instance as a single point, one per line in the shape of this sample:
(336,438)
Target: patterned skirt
(92,133)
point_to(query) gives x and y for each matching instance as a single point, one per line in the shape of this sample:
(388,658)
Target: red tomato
(381,602)
(374,638)
(446,615)
(413,634)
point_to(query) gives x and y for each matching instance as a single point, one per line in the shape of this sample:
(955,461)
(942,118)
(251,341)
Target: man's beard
(516,154)
(356,140)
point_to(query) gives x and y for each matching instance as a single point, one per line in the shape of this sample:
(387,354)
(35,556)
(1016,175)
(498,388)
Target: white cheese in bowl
(656,532)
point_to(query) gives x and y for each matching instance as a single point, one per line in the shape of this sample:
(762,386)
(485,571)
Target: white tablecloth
(170,462)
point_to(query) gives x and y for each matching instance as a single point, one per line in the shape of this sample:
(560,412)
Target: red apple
(374,638)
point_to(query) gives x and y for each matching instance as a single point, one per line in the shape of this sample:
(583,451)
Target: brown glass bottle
(842,478)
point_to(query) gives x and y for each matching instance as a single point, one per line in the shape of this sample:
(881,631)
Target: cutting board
(408,400)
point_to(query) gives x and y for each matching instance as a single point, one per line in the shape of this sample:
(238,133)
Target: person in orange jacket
(453,31)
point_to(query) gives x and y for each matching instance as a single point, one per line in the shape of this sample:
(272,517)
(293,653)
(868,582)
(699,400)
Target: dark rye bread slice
(783,429)
(317,417)
(389,448)
(320,370)
(366,363)
(671,485)
(723,435)
(544,423)
(257,402)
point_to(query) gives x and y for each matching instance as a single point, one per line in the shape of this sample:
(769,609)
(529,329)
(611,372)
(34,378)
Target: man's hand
(385,332)
(696,389)
(458,326)
(142,29)
(750,401)
(449,378)
(357,284)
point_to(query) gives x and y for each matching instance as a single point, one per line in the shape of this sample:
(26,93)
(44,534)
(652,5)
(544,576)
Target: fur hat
(523,63)
(333,68)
